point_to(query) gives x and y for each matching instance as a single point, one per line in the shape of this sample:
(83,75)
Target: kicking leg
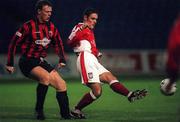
(119,88)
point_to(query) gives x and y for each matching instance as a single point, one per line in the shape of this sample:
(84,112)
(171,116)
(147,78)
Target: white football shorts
(89,68)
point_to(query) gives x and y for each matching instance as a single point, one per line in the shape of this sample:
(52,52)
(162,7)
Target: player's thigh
(57,82)
(40,74)
(107,77)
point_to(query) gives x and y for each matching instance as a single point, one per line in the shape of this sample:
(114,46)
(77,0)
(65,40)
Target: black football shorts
(27,64)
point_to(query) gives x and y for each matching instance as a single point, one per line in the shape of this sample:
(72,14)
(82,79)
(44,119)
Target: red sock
(119,88)
(86,100)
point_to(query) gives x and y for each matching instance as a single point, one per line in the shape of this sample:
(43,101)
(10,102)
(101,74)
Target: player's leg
(31,69)
(87,99)
(90,78)
(41,91)
(116,86)
(61,94)
(107,77)
(173,63)
(41,75)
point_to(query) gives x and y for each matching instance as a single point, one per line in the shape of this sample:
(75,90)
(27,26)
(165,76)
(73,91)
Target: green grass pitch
(17,99)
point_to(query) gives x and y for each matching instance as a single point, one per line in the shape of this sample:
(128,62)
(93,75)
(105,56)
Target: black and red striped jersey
(35,38)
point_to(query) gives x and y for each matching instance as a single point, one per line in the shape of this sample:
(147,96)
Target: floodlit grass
(17,99)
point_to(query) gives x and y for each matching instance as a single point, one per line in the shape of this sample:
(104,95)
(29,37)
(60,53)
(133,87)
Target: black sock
(63,102)
(41,91)
(172,74)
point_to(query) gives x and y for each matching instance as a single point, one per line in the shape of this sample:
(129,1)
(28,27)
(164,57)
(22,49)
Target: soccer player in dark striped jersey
(34,38)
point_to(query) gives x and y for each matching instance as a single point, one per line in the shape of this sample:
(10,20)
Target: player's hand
(60,65)
(99,56)
(10,69)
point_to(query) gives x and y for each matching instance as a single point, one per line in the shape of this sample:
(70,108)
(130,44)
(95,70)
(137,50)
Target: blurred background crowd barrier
(120,62)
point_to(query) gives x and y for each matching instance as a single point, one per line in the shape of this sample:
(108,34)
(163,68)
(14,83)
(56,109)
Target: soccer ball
(164,90)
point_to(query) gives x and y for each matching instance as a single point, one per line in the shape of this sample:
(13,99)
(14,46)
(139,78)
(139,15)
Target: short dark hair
(41,3)
(89,11)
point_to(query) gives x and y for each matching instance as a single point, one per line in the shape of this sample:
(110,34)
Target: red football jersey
(78,35)
(174,38)
(173,62)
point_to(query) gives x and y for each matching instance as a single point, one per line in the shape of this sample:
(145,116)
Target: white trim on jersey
(74,31)
(84,46)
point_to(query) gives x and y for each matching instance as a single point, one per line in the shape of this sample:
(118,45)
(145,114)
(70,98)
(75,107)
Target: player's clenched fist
(10,69)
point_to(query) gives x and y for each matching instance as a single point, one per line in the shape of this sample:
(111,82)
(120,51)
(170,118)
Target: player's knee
(97,93)
(61,88)
(110,76)
(60,85)
(45,79)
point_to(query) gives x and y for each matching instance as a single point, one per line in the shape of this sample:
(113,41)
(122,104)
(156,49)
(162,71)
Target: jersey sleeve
(72,39)
(58,47)
(17,38)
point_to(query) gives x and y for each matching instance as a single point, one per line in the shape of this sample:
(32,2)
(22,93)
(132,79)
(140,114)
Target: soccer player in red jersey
(173,60)
(34,38)
(92,72)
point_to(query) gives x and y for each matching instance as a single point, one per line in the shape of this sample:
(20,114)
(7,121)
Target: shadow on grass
(23,113)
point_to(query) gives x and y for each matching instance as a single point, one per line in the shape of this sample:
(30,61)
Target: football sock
(87,99)
(119,88)
(172,75)
(63,102)
(41,91)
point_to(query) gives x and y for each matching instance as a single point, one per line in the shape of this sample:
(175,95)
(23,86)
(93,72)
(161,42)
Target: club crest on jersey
(50,33)
(90,75)
(37,32)
(18,34)
(45,41)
